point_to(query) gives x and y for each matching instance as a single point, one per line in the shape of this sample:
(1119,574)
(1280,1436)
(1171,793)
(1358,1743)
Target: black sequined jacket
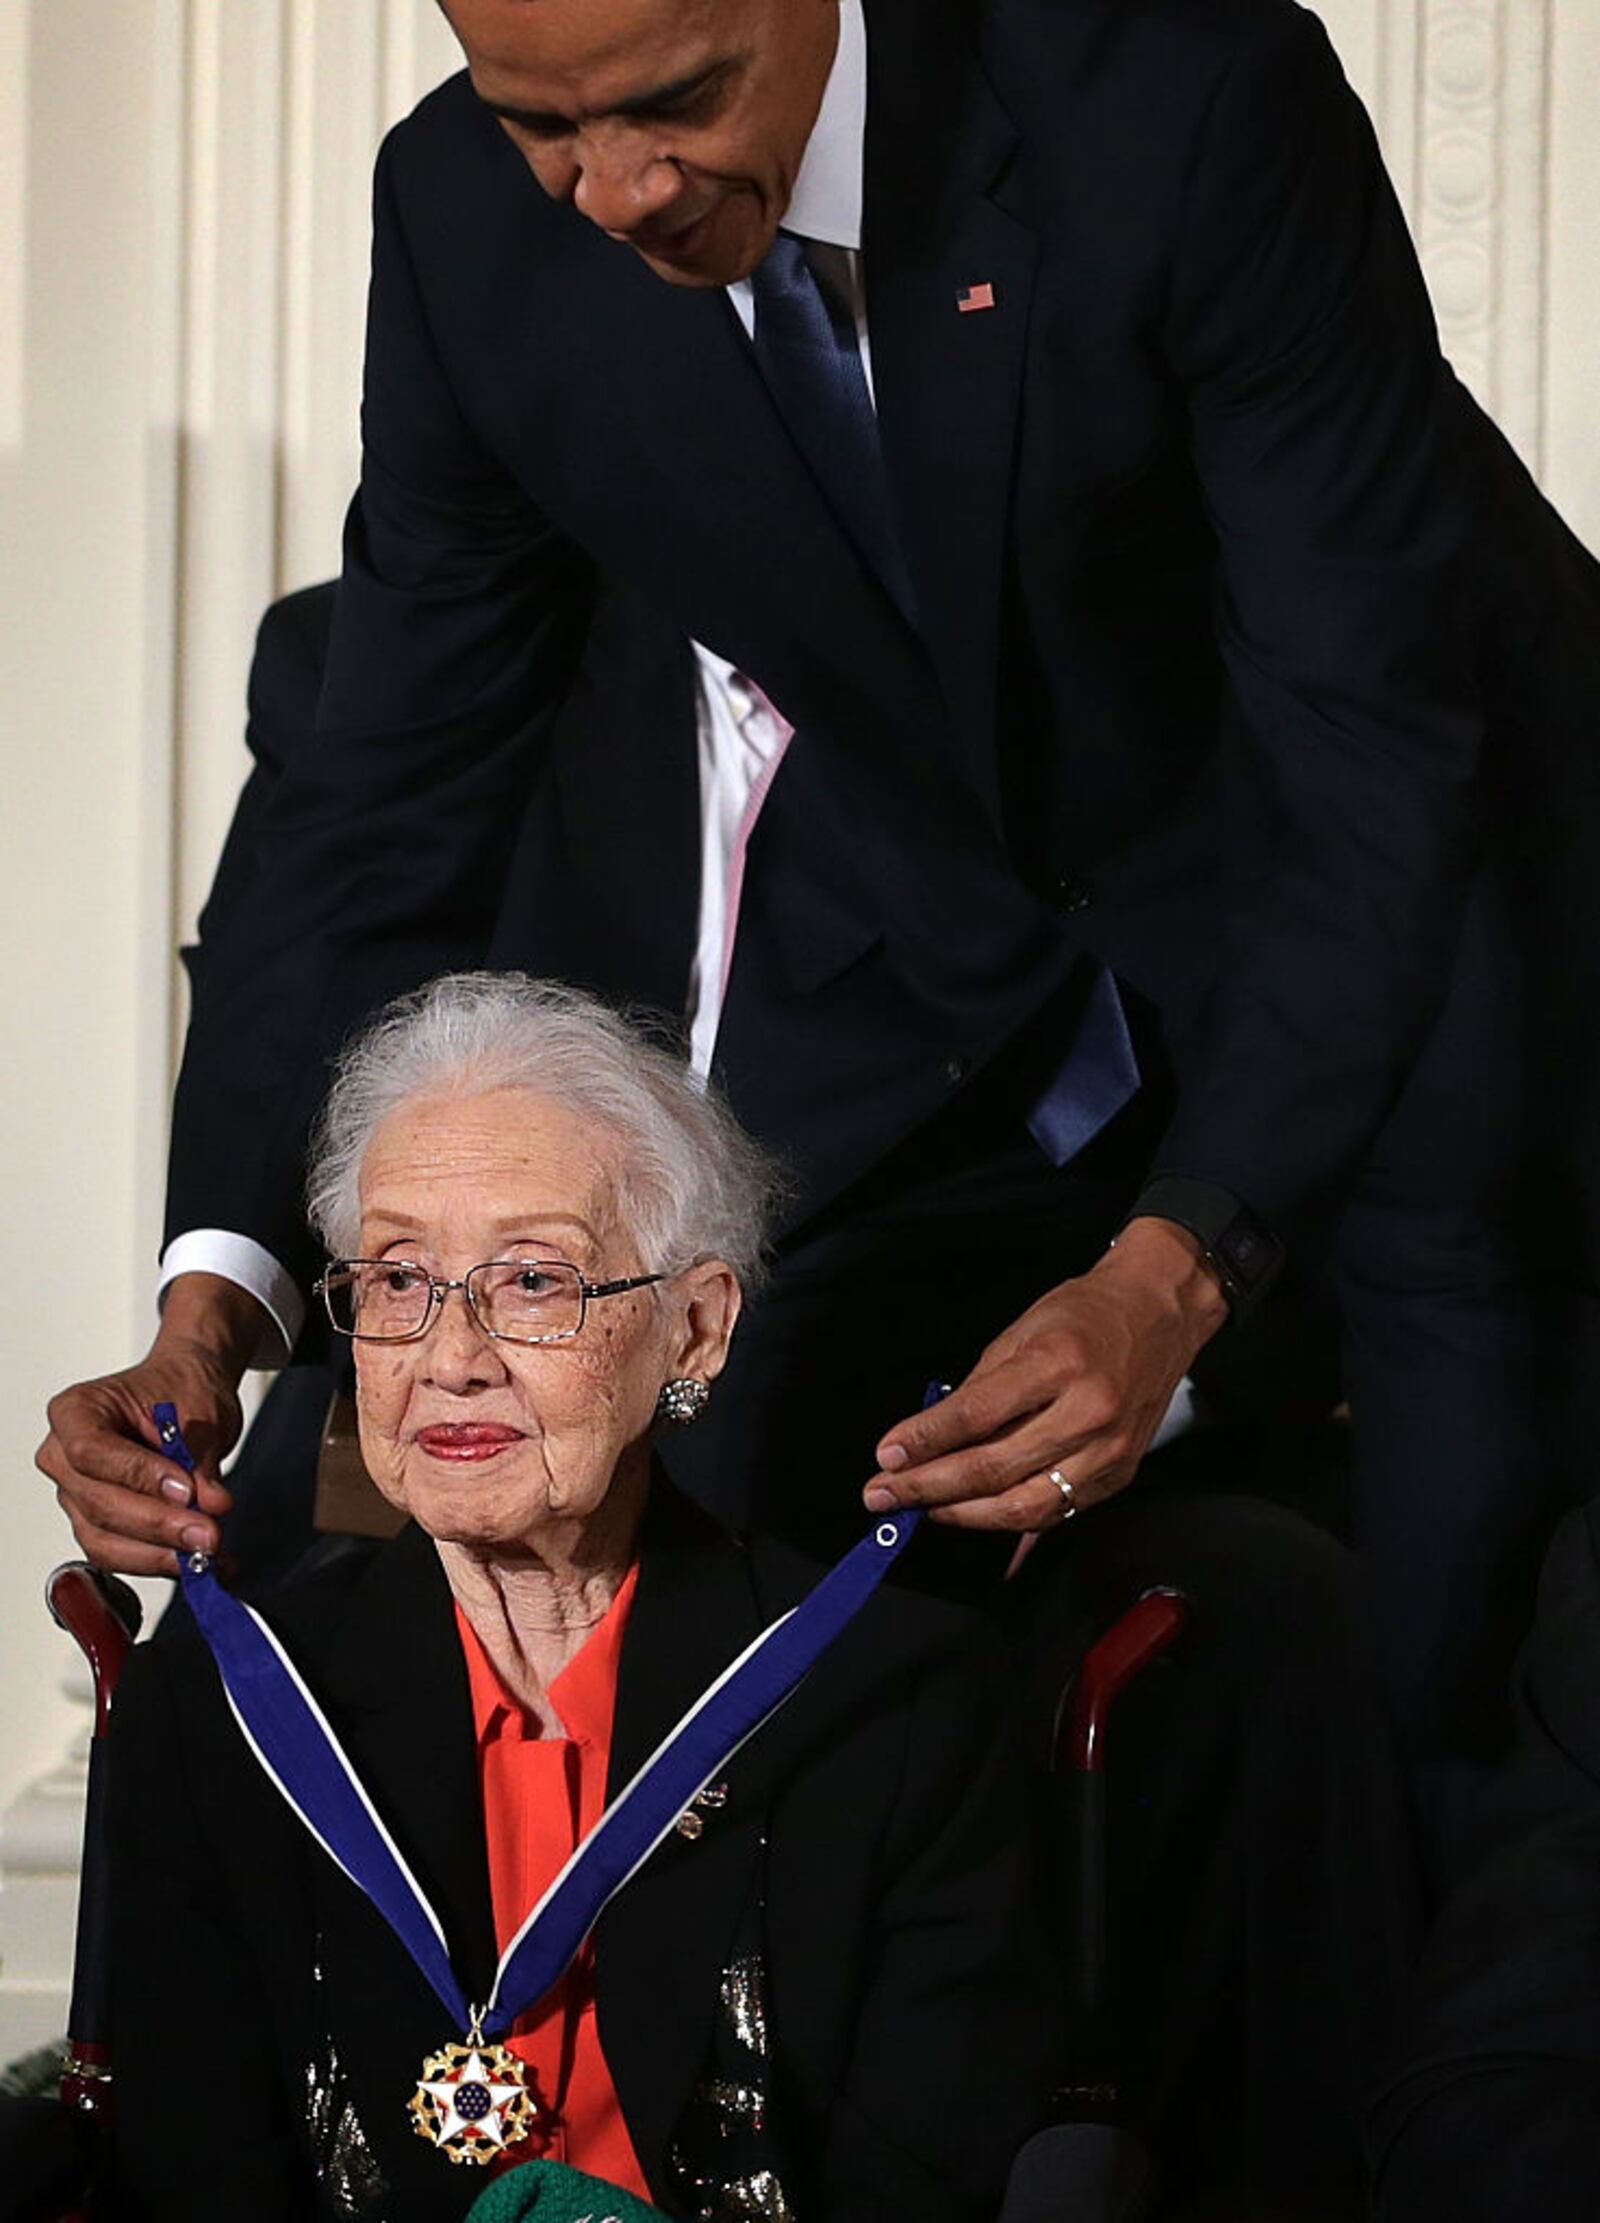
(823,2005)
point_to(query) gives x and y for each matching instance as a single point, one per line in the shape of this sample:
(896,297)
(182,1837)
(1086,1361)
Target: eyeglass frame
(440,1286)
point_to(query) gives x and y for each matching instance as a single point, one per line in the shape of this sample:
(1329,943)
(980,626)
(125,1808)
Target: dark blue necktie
(805,346)
(1098,1076)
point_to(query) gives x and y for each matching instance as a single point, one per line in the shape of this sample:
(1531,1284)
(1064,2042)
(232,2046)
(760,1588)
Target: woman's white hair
(693,1183)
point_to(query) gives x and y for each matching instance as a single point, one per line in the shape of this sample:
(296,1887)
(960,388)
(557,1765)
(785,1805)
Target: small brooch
(691,1822)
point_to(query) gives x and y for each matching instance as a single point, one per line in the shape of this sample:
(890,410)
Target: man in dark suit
(1125,852)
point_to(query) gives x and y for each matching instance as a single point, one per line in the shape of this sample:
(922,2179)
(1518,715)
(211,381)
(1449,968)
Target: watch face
(1246,1249)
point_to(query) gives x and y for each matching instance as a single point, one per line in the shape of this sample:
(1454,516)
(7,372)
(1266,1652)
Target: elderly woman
(816,1999)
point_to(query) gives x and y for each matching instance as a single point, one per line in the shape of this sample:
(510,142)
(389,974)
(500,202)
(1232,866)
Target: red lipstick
(466,1439)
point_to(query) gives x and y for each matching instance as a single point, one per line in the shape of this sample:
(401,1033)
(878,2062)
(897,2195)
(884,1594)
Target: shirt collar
(826,202)
(584,1694)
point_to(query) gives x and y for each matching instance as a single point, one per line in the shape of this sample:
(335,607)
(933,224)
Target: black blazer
(1494,2116)
(1198,525)
(873,1832)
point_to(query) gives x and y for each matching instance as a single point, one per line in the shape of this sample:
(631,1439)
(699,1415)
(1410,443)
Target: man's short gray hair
(693,1183)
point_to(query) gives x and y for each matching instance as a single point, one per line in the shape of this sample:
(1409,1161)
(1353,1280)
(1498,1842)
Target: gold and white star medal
(472,2101)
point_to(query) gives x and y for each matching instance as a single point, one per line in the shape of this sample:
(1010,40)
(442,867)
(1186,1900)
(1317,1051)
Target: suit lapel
(663,1941)
(948,380)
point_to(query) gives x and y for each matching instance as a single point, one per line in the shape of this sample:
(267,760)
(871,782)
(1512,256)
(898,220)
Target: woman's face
(486,1442)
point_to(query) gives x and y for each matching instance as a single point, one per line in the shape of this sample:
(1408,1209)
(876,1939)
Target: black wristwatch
(1239,1247)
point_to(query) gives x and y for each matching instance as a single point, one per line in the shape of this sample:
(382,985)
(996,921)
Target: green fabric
(553,2193)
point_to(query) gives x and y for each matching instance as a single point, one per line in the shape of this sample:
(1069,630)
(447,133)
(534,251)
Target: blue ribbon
(295,1744)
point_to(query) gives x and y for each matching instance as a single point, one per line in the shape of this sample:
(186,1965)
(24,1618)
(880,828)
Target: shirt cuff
(235,1258)
(1181,1416)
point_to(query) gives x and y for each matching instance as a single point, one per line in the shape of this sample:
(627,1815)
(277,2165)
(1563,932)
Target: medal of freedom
(472,2101)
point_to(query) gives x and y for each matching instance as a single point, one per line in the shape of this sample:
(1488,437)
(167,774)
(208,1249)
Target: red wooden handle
(97,1617)
(1128,1647)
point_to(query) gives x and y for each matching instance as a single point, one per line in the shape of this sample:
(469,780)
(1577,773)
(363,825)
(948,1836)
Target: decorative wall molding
(1483,198)
(286,101)
(228,406)
(1393,94)
(1571,459)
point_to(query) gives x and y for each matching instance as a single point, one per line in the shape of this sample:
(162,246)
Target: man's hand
(1079,1384)
(131,1508)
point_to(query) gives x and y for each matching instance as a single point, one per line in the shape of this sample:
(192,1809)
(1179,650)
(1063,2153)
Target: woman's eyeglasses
(519,1300)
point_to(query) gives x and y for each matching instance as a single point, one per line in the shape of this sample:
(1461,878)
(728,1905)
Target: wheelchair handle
(1148,1628)
(102,1616)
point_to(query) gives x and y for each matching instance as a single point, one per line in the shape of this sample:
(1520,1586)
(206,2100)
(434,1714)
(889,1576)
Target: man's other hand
(1079,1384)
(133,1509)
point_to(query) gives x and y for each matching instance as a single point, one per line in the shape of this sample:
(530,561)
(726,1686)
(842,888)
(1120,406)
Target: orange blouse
(540,1796)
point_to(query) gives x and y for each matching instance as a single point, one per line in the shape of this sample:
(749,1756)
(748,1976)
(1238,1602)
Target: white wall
(85,473)
(183,190)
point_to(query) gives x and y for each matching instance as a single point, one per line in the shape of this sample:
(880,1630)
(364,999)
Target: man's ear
(709,1294)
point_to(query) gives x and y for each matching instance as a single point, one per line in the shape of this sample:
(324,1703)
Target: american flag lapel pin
(975,297)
